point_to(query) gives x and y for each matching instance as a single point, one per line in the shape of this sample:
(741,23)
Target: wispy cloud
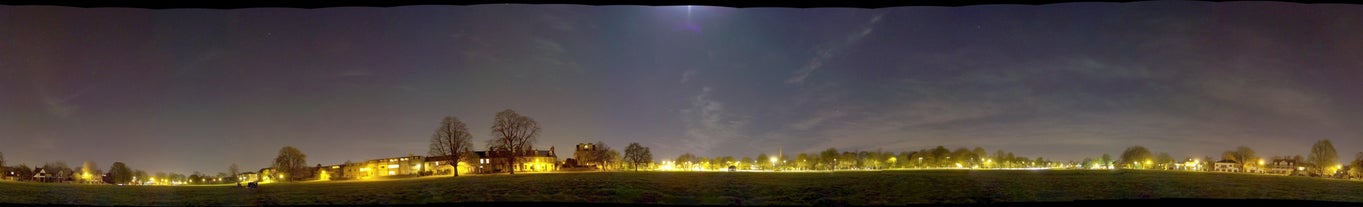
(686,76)
(539,57)
(1280,101)
(707,125)
(872,128)
(548,46)
(826,52)
(58,105)
(822,117)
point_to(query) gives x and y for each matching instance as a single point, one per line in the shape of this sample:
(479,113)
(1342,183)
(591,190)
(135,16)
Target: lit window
(393,166)
(404,159)
(392,173)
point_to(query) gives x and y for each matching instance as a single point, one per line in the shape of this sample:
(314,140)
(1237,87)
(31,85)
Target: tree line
(833,159)
(1323,160)
(513,136)
(89,172)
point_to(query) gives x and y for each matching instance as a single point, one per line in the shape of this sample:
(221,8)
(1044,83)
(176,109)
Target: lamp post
(773,163)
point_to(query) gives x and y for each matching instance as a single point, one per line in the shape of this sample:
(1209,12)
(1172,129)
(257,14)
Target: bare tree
(637,154)
(1323,155)
(762,161)
(1356,167)
(58,170)
(233,170)
(1137,157)
(512,137)
(686,160)
(89,172)
(802,161)
(980,154)
(23,172)
(452,140)
(600,155)
(121,173)
(1163,159)
(829,158)
(1244,155)
(292,162)
(139,175)
(613,157)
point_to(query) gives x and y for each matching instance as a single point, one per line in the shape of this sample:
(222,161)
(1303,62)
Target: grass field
(717,188)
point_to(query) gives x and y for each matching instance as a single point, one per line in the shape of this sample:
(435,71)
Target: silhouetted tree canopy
(1323,156)
(291,162)
(1136,157)
(637,155)
(513,136)
(1243,155)
(452,139)
(120,173)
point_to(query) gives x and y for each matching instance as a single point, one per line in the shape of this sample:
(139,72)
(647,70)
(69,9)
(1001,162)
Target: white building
(1227,166)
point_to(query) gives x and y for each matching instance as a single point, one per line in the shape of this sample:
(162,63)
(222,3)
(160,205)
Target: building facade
(393,166)
(583,155)
(412,165)
(248,177)
(1282,167)
(268,175)
(1226,166)
(445,165)
(531,161)
(329,172)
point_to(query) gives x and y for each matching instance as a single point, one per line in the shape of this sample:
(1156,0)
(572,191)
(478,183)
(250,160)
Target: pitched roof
(538,153)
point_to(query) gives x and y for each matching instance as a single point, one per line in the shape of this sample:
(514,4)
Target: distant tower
(583,150)
(781,153)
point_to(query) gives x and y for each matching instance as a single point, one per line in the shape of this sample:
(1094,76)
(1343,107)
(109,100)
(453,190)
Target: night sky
(183,90)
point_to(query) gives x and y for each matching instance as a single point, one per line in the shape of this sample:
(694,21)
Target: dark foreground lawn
(718,188)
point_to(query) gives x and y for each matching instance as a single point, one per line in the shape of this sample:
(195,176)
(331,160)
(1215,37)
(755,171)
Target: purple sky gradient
(185,90)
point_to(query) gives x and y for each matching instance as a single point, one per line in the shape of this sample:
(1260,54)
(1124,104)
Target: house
(41,175)
(329,172)
(1303,169)
(248,177)
(412,165)
(1189,165)
(1226,166)
(445,165)
(268,175)
(393,166)
(584,153)
(1282,167)
(534,161)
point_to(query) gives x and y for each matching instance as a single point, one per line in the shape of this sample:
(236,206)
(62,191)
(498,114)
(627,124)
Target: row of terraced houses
(482,162)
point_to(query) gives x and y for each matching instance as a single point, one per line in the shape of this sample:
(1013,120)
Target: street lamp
(773,163)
